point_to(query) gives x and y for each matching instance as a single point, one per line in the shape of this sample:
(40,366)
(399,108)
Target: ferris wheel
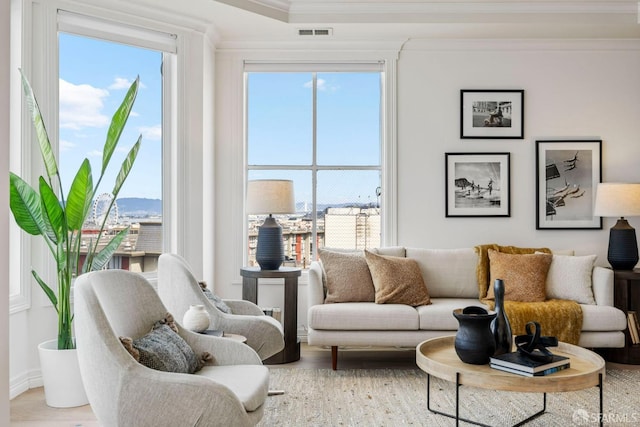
(100,209)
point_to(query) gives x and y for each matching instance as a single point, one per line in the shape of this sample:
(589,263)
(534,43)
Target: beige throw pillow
(397,280)
(570,278)
(347,277)
(524,276)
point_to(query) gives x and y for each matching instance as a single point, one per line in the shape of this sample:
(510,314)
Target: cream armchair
(178,289)
(122,392)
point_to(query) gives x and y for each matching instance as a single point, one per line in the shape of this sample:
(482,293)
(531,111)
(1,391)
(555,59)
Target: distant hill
(139,207)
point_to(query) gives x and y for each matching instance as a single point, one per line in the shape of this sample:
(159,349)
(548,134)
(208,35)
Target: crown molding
(314,11)
(449,45)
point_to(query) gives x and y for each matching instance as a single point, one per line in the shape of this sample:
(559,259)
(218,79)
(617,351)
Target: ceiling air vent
(315,31)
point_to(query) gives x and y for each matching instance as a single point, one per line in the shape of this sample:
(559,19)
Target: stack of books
(520,364)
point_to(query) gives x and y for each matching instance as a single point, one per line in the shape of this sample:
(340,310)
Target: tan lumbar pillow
(524,276)
(397,280)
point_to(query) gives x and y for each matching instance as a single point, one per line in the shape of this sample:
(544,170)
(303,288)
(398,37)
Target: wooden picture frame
(567,176)
(491,114)
(477,184)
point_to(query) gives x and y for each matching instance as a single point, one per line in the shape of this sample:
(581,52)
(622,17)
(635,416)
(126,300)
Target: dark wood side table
(250,276)
(626,297)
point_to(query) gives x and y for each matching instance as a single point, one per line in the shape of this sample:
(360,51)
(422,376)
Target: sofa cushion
(363,316)
(569,278)
(398,251)
(439,315)
(524,276)
(447,272)
(397,280)
(602,318)
(347,277)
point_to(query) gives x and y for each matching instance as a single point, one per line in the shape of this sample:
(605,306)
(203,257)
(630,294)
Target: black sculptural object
(500,327)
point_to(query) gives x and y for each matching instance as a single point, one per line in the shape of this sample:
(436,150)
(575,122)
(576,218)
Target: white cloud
(66,145)
(81,106)
(94,153)
(153,133)
(122,83)
(134,114)
(322,85)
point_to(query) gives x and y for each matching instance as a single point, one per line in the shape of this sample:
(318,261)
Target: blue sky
(94,77)
(280,127)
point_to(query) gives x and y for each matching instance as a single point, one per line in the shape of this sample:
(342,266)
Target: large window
(94,74)
(322,130)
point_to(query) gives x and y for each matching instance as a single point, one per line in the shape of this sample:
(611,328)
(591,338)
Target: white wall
(5,67)
(573,89)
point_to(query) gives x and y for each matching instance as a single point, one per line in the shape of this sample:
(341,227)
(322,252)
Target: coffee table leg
(457,415)
(601,392)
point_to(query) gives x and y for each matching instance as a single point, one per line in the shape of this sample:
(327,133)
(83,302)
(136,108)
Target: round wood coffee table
(438,357)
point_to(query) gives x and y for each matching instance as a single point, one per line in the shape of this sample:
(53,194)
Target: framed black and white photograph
(477,184)
(491,114)
(567,175)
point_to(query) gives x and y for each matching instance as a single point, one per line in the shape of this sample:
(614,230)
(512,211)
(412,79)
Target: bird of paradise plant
(59,219)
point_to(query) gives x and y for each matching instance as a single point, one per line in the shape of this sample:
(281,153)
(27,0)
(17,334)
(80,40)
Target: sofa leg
(334,357)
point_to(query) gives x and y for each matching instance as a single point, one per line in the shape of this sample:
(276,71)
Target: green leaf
(25,206)
(80,197)
(126,166)
(47,290)
(102,258)
(41,132)
(118,121)
(53,212)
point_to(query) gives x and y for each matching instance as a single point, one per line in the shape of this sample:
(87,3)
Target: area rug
(397,397)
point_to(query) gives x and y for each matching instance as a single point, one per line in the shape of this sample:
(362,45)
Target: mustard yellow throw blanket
(559,318)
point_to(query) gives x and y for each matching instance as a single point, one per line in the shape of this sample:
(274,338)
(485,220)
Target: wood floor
(29,409)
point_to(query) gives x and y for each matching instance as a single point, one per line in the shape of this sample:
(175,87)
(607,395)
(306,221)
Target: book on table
(632,325)
(516,360)
(547,371)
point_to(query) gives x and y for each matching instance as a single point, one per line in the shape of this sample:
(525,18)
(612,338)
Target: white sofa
(450,275)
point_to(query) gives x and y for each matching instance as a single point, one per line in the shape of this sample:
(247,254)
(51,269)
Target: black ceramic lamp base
(270,250)
(623,246)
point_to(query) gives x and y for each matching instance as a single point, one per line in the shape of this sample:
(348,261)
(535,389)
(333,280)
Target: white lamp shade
(270,196)
(615,199)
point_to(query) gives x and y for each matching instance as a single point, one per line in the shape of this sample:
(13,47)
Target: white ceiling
(279,20)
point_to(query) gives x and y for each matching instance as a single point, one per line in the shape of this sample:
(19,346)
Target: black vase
(474,342)
(500,327)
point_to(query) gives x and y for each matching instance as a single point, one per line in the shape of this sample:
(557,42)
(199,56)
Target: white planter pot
(63,386)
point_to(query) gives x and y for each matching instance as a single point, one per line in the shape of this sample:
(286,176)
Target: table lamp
(270,196)
(619,200)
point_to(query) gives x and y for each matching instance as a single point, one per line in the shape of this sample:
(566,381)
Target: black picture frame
(491,114)
(567,176)
(477,185)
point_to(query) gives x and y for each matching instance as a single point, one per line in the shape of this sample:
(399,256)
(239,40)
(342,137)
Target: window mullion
(314,171)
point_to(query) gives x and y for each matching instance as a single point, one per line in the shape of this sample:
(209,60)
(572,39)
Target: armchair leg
(334,357)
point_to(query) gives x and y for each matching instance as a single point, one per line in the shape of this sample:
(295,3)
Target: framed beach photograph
(567,175)
(477,184)
(491,114)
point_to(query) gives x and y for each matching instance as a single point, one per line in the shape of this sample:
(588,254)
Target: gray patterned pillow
(216,300)
(164,350)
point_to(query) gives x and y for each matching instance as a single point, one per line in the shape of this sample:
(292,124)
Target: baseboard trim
(24,382)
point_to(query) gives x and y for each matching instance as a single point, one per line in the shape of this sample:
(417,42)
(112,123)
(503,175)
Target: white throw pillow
(569,278)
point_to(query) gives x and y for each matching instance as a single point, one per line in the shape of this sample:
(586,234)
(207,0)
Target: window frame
(388,145)
(36,49)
